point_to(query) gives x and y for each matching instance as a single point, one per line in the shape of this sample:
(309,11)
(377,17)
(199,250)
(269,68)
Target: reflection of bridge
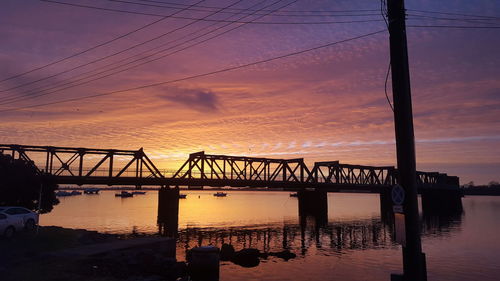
(134,167)
(331,237)
(366,234)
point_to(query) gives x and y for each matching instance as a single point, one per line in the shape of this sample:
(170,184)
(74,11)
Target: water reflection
(441,224)
(309,236)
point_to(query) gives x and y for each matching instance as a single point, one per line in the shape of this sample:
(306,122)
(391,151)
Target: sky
(321,105)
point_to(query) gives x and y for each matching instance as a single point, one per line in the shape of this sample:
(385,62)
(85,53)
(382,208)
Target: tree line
(21,184)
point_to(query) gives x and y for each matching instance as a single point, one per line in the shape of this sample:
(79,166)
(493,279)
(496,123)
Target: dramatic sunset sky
(326,104)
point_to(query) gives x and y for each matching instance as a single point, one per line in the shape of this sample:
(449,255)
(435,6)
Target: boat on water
(220,194)
(124,194)
(295,194)
(91,190)
(182,196)
(138,192)
(63,193)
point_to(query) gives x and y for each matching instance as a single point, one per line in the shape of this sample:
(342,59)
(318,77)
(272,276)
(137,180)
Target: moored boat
(63,193)
(91,190)
(182,196)
(295,194)
(124,194)
(220,194)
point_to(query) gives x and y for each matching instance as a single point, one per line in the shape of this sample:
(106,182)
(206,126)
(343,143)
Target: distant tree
(493,183)
(469,184)
(20,185)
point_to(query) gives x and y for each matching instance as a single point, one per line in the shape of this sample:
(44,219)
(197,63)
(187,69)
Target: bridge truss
(133,167)
(82,164)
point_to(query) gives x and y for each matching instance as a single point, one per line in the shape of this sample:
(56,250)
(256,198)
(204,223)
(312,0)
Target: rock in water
(247,257)
(286,255)
(226,252)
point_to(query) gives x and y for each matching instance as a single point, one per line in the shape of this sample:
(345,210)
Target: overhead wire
(475,21)
(454,14)
(238,11)
(96,46)
(188,7)
(454,26)
(211,20)
(246,22)
(116,53)
(197,75)
(169,16)
(17,99)
(71,79)
(383,11)
(281,11)
(74,68)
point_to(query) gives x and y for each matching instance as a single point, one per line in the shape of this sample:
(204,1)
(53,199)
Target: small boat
(124,194)
(220,194)
(295,194)
(63,193)
(91,190)
(139,192)
(182,196)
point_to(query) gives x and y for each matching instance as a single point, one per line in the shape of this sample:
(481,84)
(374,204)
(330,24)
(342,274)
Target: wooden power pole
(413,258)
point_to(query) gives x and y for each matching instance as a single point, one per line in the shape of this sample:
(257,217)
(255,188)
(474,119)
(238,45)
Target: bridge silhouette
(88,166)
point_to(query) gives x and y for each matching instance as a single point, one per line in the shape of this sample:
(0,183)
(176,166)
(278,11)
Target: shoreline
(79,254)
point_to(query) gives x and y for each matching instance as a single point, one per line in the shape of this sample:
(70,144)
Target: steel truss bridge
(133,167)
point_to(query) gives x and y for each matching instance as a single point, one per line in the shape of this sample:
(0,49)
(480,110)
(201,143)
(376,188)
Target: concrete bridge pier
(168,211)
(386,206)
(313,203)
(441,200)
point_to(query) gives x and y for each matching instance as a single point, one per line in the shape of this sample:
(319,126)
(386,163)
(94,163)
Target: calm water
(353,244)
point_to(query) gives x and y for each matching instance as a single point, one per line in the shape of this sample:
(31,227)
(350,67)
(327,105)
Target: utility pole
(413,258)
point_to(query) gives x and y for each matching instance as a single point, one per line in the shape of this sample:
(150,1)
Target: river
(353,243)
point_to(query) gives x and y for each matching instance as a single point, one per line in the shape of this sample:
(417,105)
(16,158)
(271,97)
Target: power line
(96,46)
(283,11)
(455,26)
(198,75)
(238,11)
(468,20)
(454,14)
(385,86)
(209,20)
(383,11)
(16,99)
(116,53)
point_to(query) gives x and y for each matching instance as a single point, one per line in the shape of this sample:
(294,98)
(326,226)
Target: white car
(14,219)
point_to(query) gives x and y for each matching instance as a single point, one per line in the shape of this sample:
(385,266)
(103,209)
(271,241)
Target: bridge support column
(386,206)
(313,203)
(168,211)
(441,201)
